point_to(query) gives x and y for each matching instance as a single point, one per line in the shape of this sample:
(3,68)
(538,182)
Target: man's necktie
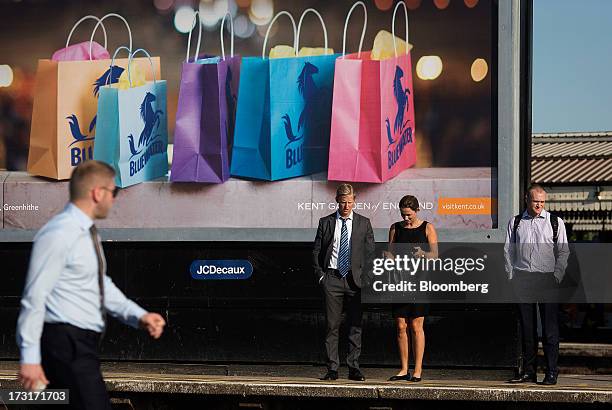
(94,237)
(344,253)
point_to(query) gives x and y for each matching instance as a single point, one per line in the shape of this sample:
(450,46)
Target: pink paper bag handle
(363,31)
(401,3)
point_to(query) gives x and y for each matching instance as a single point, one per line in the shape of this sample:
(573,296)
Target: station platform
(260,383)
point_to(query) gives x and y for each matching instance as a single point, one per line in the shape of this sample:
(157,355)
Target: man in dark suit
(343,247)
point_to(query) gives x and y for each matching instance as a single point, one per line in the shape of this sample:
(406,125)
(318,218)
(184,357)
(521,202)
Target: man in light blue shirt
(536,253)
(67,294)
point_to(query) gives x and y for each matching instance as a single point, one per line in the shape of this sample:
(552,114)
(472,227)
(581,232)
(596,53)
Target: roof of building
(572,158)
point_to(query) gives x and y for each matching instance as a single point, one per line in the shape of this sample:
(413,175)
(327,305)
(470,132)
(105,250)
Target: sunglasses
(113,191)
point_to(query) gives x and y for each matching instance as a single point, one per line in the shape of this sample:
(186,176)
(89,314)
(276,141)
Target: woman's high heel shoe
(395,378)
(414,379)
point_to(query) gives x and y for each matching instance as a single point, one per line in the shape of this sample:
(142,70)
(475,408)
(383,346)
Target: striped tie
(344,253)
(96,240)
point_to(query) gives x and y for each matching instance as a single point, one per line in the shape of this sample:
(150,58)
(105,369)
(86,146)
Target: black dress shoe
(550,379)
(405,377)
(524,378)
(356,375)
(330,375)
(415,379)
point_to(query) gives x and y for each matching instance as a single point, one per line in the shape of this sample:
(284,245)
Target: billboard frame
(513,85)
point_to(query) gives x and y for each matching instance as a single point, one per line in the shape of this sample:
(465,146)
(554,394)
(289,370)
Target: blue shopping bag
(132,134)
(283,117)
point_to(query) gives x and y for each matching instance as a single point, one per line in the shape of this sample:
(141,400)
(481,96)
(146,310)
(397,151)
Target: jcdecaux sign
(221,269)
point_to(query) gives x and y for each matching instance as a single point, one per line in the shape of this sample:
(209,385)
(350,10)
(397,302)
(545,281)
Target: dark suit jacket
(362,245)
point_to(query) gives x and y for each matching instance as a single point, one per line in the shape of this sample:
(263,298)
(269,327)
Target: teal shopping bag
(283,117)
(106,148)
(132,134)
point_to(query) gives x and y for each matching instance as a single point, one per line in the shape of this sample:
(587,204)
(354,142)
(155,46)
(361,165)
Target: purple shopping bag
(205,116)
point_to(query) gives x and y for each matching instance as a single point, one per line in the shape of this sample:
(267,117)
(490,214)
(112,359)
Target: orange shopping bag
(65,105)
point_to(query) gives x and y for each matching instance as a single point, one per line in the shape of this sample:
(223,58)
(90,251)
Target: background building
(576,170)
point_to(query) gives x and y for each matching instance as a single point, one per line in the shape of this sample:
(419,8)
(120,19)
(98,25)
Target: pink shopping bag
(372,126)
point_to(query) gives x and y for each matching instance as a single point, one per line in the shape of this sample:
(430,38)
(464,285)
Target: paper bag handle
(401,3)
(363,31)
(297,40)
(113,61)
(100,22)
(79,22)
(196,20)
(232,33)
(130,62)
(263,51)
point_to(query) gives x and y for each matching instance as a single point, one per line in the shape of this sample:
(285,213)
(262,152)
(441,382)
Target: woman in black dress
(412,230)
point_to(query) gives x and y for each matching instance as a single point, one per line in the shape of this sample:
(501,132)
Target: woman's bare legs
(418,342)
(403,345)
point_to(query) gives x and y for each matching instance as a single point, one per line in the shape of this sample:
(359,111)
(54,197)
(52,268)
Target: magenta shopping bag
(372,125)
(205,116)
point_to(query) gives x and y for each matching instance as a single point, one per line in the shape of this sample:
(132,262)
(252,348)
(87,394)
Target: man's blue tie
(344,253)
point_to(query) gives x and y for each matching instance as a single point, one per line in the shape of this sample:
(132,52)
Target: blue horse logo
(114,72)
(402,131)
(75,130)
(146,142)
(151,120)
(111,76)
(133,149)
(401,98)
(310,93)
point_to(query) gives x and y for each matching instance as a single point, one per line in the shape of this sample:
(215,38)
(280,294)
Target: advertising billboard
(258,143)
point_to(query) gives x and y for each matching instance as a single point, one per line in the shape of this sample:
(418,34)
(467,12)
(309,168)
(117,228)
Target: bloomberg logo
(221,269)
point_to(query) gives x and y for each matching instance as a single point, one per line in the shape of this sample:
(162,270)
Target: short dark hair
(84,177)
(409,201)
(534,187)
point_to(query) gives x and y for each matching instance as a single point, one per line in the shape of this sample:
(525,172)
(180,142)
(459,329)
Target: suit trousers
(336,289)
(549,316)
(70,361)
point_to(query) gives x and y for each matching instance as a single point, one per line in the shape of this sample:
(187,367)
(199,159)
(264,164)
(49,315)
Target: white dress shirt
(532,249)
(62,284)
(333,260)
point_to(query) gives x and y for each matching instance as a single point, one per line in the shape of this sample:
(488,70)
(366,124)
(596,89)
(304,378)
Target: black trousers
(336,289)
(549,316)
(70,361)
